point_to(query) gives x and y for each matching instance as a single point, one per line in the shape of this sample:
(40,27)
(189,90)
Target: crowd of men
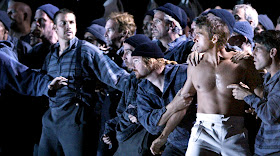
(182,84)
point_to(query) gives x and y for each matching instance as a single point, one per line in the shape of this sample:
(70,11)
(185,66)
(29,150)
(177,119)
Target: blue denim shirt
(268,110)
(151,105)
(179,49)
(94,65)
(121,124)
(20,78)
(7,47)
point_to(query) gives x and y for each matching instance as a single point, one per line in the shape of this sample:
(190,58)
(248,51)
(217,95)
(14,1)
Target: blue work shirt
(121,125)
(20,78)
(268,110)
(151,105)
(94,65)
(7,47)
(179,49)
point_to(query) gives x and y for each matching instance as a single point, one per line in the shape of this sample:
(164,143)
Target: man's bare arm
(171,124)
(176,118)
(180,101)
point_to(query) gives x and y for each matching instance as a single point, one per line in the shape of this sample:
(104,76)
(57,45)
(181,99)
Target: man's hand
(181,101)
(239,91)
(132,118)
(157,144)
(239,55)
(57,83)
(194,58)
(251,111)
(106,139)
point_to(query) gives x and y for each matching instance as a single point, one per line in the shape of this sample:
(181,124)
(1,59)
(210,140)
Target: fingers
(132,118)
(106,139)
(243,85)
(233,86)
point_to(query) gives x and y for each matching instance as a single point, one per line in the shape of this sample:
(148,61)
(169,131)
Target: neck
(157,78)
(51,39)
(274,68)
(212,56)
(165,40)
(63,44)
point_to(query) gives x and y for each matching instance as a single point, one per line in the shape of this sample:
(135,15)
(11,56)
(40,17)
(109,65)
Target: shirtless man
(219,128)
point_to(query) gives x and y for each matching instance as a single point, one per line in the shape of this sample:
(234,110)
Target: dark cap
(244,28)
(97,31)
(225,15)
(137,39)
(5,19)
(148,49)
(176,12)
(266,22)
(49,9)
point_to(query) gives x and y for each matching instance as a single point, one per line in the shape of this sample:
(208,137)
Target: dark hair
(214,25)
(270,39)
(62,11)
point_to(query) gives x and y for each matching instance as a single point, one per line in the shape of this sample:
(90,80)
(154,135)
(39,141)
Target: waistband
(222,119)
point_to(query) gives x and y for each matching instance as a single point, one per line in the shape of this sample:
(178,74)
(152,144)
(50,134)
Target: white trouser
(215,134)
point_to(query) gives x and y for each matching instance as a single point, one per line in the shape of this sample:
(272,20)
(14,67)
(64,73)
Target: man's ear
(273,52)
(215,38)
(124,33)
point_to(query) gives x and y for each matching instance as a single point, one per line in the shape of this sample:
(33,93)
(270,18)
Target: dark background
(88,10)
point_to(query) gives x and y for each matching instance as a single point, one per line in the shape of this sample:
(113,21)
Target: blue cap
(5,19)
(137,39)
(176,12)
(97,31)
(225,15)
(100,21)
(49,9)
(148,49)
(244,28)
(266,22)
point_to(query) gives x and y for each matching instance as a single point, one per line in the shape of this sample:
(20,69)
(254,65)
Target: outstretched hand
(57,83)
(239,91)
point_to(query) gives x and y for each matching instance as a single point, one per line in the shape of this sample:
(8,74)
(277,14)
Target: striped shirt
(268,110)
(94,65)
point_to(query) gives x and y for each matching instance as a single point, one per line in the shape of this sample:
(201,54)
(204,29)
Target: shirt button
(77,104)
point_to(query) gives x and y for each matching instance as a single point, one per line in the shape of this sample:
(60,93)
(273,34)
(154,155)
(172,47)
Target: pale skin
(210,78)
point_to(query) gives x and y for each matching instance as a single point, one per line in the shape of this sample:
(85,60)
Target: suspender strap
(78,70)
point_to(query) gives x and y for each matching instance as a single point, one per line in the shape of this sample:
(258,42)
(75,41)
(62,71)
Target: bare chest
(207,78)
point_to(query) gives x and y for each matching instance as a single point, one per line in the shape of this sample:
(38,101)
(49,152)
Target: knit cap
(244,28)
(150,12)
(97,31)
(176,12)
(225,15)
(266,22)
(100,21)
(148,49)
(49,9)
(137,39)
(5,19)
